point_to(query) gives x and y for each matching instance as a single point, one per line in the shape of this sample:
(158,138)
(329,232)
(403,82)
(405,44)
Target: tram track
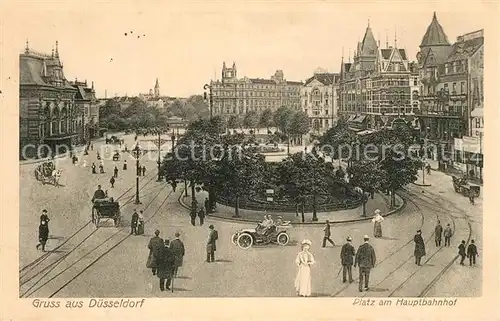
(25,275)
(107,246)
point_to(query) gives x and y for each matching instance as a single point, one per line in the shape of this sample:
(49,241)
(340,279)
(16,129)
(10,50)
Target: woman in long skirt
(377,224)
(304,261)
(140,224)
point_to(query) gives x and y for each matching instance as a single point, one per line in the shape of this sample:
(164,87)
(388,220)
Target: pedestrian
(155,247)
(365,258)
(44,217)
(419,247)
(94,169)
(447,235)
(112,181)
(207,206)
(428,168)
(143,170)
(140,223)
(201,215)
(438,233)
(461,252)
(165,266)
(212,244)
(84,163)
(43,235)
(124,164)
(471,197)
(91,146)
(178,250)
(174,185)
(101,168)
(133,223)
(193,216)
(472,253)
(347,259)
(327,235)
(377,224)
(115,172)
(304,260)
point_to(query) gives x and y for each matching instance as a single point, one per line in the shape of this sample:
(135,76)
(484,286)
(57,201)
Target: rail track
(33,273)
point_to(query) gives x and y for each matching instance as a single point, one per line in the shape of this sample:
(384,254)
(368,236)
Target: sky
(123,46)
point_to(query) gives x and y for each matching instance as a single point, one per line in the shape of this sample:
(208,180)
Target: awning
(60,137)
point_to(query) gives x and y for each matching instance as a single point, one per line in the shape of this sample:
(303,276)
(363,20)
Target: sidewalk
(380,201)
(451,171)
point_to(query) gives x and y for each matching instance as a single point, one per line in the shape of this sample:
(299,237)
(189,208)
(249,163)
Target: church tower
(157,88)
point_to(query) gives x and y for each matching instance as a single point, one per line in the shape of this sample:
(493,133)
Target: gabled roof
(434,36)
(465,49)
(386,53)
(324,78)
(31,69)
(369,45)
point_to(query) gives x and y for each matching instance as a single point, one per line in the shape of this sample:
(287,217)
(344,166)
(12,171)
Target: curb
(422,185)
(243,220)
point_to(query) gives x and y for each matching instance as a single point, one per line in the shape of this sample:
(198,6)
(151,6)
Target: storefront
(468,156)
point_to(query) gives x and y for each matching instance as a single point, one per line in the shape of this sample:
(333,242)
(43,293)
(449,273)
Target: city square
(255,175)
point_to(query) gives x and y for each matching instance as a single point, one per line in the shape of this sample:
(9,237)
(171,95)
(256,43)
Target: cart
(106,209)
(462,186)
(43,173)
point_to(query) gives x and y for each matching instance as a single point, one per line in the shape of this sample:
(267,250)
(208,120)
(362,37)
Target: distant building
(154,99)
(319,99)
(88,107)
(237,96)
(49,118)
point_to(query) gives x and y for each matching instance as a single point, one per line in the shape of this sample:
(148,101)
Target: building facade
(319,100)
(49,119)
(87,108)
(379,87)
(237,96)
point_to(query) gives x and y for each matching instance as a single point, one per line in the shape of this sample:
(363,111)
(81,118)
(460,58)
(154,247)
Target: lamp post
(159,179)
(137,150)
(210,103)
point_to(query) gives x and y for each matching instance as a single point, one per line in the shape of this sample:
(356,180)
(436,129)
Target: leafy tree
(266,119)
(251,120)
(368,176)
(240,172)
(283,119)
(234,122)
(300,125)
(111,107)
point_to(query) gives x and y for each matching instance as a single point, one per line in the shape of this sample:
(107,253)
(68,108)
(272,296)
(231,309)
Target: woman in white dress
(377,224)
(304,261)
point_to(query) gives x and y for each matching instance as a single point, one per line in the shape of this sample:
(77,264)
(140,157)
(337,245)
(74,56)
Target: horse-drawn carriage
(107,209)
(462,186)
(46,173)
(116,156)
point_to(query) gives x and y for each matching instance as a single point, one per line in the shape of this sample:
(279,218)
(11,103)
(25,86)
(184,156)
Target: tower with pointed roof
(434,47)
(157,88)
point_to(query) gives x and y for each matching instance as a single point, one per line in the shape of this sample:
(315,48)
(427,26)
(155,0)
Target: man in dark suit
(438,233)
(472,253)
(43,235)
(165,266)
(211,244)
(178,251)
(327,235)
(201,215)
(419,247)
(461,252)
(133,223)
(347,259)
(155,247)
(365,259)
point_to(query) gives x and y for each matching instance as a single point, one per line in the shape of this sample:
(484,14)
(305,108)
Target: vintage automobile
(462,186)
(278,234)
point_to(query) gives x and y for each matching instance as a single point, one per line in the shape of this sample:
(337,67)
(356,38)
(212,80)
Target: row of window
(254,94)
(253,86)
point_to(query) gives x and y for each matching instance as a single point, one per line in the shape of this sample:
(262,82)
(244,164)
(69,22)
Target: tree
(266,119)
(111,107)
(234,122)
(304,179)
(283,119)
(240,172)
(300,125)
(367,176)
(251,120)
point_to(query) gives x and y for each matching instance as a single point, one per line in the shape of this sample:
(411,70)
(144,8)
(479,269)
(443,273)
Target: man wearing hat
(328,234)
(155,247)
(178,251)
(44,217)
(165,266)
(347,258)
(419,247)
(211,244)
(365,259)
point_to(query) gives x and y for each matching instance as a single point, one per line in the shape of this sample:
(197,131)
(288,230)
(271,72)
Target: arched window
(55,121)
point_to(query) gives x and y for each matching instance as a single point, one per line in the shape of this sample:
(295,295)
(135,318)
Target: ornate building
(87,107)
(447,90)
(319,100)
(153,98)
(49,118)
(379,86)
(233,96)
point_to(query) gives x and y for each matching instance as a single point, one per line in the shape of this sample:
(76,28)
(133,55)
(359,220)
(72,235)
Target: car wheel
(245,241)
(282,239)
(234,238)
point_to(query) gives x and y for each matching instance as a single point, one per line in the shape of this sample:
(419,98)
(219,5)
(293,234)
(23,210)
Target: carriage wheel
(282,239)
(245,241)
(234,238)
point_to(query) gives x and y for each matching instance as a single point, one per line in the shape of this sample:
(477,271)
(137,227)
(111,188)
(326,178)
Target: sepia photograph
(329,150)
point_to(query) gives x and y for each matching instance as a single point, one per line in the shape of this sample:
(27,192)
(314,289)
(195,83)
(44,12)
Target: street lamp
(137,150)
(207,86)
(159,157)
